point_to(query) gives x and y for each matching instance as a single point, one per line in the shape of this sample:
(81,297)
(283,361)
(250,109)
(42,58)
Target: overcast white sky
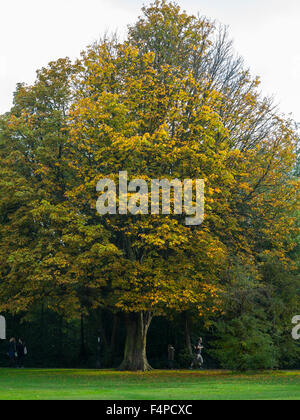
(33,32)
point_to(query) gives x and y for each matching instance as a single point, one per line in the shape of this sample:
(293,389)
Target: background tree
(33,178)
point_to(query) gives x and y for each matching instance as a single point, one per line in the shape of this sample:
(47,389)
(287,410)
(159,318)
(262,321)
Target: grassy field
(182,385)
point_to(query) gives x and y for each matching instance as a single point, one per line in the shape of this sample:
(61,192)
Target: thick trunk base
(135,356)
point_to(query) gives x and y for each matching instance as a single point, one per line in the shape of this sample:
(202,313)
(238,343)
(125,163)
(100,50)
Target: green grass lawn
(183,385)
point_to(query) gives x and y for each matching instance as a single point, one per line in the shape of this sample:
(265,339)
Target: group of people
(17,351)
(197,361)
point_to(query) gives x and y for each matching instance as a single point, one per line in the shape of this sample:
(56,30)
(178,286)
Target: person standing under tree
(198,359)
(12,351)
(171,356)
(21,353)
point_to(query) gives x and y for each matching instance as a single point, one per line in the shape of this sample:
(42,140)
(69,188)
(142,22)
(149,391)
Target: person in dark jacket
(20,353)
(171,356)
(12,349)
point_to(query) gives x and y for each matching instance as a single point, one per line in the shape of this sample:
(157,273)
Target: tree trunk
(102,330)
(113,335)
(60,341)
(135,357)
(42,334)
(187,333)
(83,351)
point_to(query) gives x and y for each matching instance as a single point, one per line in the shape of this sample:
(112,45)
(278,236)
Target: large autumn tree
(155,125)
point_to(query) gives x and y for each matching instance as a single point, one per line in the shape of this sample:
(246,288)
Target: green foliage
(244,344)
